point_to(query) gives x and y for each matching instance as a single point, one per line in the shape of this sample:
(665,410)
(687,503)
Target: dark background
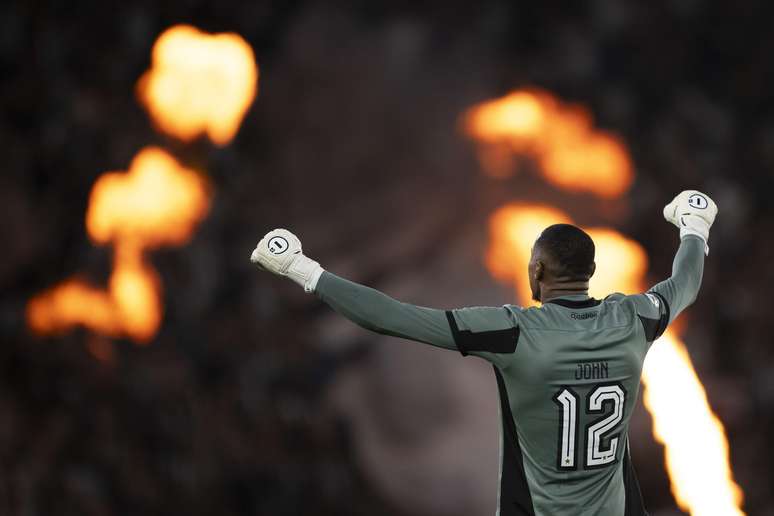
(253,398)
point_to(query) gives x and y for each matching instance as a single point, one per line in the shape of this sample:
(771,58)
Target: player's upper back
(562,340)
(572,383)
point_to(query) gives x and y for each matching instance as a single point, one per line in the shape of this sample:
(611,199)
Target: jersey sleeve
(487,332)
(682,287)
(378,312)
(653,313)
(663,302)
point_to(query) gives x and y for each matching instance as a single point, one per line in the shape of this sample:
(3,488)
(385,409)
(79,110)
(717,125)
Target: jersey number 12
(601,435)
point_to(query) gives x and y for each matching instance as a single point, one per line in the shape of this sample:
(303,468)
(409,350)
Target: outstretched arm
(280,252)
(488,332)
(378,312)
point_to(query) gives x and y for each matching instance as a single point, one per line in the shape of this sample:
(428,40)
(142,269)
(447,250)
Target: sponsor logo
(587,315)
(654,300)
(698,201)
(278,245)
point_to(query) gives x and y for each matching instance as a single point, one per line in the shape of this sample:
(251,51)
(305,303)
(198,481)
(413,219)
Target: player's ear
(540,269)
(592,269)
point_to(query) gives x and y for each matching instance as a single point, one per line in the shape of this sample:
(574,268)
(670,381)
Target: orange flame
(697,455)
(199,83)
(512,229)
(158,202)
(560,137)
(621,262)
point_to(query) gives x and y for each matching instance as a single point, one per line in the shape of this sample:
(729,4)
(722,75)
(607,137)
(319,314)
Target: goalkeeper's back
(567,393)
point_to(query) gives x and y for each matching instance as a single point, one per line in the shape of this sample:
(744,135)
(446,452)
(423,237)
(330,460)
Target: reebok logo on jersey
(581,316)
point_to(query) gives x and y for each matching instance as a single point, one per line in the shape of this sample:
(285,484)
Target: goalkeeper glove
(693,212)
(279,252)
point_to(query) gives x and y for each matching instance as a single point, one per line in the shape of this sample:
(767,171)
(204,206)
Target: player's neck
(575,288)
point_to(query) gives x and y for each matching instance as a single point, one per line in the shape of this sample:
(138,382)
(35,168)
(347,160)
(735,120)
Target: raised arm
(693,212)
(280,252)
(487,332)
(680,290)
(378,312)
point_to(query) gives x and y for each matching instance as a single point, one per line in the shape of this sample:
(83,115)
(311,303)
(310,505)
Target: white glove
(693,212)
(279,252)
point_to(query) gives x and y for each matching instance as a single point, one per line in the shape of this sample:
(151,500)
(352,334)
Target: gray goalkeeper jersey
(568,375)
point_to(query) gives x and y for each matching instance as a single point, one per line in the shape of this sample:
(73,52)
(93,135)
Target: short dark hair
(571,247)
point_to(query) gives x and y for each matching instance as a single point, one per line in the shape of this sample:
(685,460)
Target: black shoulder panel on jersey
(494,341)
(667,311)
(654,328)
(515,498)
(634,504)
(651,327)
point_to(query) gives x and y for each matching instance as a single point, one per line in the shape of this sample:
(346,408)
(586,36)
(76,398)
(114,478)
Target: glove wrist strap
(305,272)
(311,285)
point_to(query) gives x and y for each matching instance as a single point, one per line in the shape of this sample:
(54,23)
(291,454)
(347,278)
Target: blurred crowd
(236,407)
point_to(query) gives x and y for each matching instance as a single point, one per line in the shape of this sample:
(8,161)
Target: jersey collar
(576,301)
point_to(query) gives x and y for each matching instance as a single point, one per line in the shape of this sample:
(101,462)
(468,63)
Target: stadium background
(253,398)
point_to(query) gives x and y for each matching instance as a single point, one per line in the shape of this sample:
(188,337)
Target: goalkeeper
(568,372)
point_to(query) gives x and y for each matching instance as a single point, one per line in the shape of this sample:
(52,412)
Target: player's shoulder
(648,304)
(514,309)
(527,315)
(651,309)
(648,307)
(522,312)
(619,300)
(483,318)
(615,297)
(531,315)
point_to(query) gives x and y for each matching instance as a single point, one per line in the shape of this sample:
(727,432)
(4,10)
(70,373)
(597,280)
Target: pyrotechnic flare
(570,152)
(158,202)
(199,83)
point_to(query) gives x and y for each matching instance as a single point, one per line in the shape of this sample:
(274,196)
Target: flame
(697,455)
(158,202)
(621,262)
(72,302)
(512,229)
(199,83)
(571,154)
